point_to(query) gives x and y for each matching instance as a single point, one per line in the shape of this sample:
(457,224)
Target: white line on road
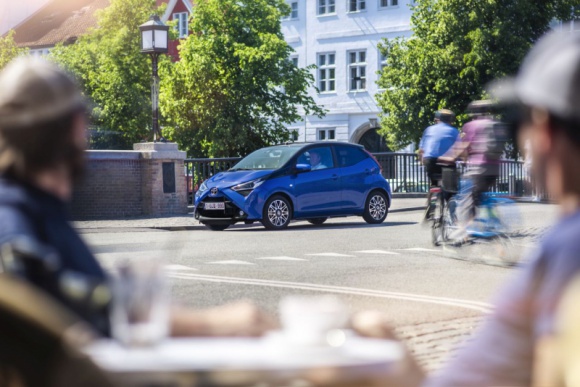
(178,267)
(231,262)
(377,252)
(283,259)
(330,255)
(419,249)
(465,304)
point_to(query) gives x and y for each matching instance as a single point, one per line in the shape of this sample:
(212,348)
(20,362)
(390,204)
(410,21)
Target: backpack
(497,136)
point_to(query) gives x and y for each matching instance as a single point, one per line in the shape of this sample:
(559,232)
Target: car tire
(317,221)
(217,227)
(277,213)
(376,208)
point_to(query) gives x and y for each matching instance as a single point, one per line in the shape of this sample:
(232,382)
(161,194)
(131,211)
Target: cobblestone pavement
(434,343)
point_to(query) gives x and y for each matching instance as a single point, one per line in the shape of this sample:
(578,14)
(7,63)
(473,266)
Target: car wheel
(217,227)
(375,208)
(276,214)
(317,221)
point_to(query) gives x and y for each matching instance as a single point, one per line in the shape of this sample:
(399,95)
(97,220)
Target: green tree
(8,49)
(457,47)
(234,89)
(114,74)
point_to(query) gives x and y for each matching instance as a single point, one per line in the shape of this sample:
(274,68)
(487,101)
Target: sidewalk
(187,222)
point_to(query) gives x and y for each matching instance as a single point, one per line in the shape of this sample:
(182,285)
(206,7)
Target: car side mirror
(300,168)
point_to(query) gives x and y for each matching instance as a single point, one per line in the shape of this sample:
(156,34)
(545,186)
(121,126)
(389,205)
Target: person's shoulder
(563,237)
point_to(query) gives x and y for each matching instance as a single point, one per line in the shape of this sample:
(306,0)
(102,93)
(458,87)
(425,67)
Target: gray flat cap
(549,77)
(34,90)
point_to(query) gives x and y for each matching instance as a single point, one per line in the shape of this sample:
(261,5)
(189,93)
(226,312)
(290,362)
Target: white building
(341,38)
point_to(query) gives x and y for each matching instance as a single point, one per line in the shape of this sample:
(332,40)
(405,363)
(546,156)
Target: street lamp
(154,39)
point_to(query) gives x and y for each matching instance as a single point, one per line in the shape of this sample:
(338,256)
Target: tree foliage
(114,74)
(8,49)
(457,47)
(234,89)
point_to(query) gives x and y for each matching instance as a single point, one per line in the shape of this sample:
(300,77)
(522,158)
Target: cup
(306,320)
(140,314)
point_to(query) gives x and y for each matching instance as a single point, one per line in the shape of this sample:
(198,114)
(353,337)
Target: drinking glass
(307,320)
(140,314)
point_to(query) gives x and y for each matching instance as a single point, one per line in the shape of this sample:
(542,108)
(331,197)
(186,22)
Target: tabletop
(271,361)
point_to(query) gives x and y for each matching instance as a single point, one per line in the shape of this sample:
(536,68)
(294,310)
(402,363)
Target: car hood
(229,179)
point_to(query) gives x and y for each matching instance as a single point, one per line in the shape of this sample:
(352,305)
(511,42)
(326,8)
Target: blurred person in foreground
(42,142)
(504,351)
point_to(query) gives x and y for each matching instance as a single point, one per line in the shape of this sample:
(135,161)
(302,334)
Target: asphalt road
(390,267)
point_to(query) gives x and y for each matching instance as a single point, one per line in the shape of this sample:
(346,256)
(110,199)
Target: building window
(326,7)
(294,11)
(383,63)
(39,52)
(293,134)
(182,28)
(326,73)
(326,134)
(294,60)
(388,3)
(356,5)
(357,70)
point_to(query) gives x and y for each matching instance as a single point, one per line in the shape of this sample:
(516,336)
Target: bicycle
(440,209)
(488,236)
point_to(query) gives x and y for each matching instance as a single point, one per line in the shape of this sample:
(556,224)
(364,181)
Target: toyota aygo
(312,181)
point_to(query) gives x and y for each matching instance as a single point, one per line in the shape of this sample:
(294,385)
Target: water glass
(307,320)
(140,314)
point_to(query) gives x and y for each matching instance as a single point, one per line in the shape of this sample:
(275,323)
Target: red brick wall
(124,184)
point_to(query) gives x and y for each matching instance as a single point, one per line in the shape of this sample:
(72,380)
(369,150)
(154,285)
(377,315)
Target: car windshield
(266,158)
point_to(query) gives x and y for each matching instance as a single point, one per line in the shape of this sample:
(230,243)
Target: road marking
(231,262)
(419,249)
(330,255)
(459,303)
(377,252)
(178,267)
(282,259)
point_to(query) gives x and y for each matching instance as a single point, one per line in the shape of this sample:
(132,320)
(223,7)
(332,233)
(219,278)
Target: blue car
(312,181)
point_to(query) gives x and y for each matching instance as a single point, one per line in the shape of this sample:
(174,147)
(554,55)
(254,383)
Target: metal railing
(403,171)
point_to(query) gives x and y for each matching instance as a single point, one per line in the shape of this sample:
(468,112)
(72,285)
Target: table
(267,361)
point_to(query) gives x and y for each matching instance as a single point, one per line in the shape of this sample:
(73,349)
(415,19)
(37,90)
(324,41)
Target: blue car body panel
(337,191)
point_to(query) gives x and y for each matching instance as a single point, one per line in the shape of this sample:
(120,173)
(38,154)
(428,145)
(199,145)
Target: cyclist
(436,141)
(482,145)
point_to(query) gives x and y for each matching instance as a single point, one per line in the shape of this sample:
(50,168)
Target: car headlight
(202,188)
(246,188)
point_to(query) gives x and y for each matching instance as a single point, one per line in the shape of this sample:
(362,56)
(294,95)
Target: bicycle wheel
(437,225)
(503,215)
(498,250)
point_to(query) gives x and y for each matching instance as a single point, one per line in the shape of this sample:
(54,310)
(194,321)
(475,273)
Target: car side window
(318,158)
(348,156)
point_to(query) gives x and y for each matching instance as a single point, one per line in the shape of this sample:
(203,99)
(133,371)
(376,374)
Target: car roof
(314,143)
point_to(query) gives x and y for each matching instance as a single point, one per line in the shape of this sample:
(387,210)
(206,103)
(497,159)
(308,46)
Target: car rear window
(348,156)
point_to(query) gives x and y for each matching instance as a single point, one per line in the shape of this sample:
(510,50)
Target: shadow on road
(334,226)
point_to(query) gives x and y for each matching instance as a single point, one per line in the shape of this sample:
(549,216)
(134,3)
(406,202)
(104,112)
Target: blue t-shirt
(501,353)
(438,139)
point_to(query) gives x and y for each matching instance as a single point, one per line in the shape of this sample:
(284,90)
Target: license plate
(215,206)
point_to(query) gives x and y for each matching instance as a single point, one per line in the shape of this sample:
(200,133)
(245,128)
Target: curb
(85,230)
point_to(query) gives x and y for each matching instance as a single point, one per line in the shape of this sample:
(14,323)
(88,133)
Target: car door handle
(368,171)
(335,177)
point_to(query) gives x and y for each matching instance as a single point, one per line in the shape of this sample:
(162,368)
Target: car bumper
(237,207)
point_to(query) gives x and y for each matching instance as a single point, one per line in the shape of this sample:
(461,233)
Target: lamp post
(154,39)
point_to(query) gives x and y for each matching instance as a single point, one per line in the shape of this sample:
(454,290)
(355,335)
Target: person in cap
(42,143)
(546,96)
(436,141)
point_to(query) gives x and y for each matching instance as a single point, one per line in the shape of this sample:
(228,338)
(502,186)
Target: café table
(267,361)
